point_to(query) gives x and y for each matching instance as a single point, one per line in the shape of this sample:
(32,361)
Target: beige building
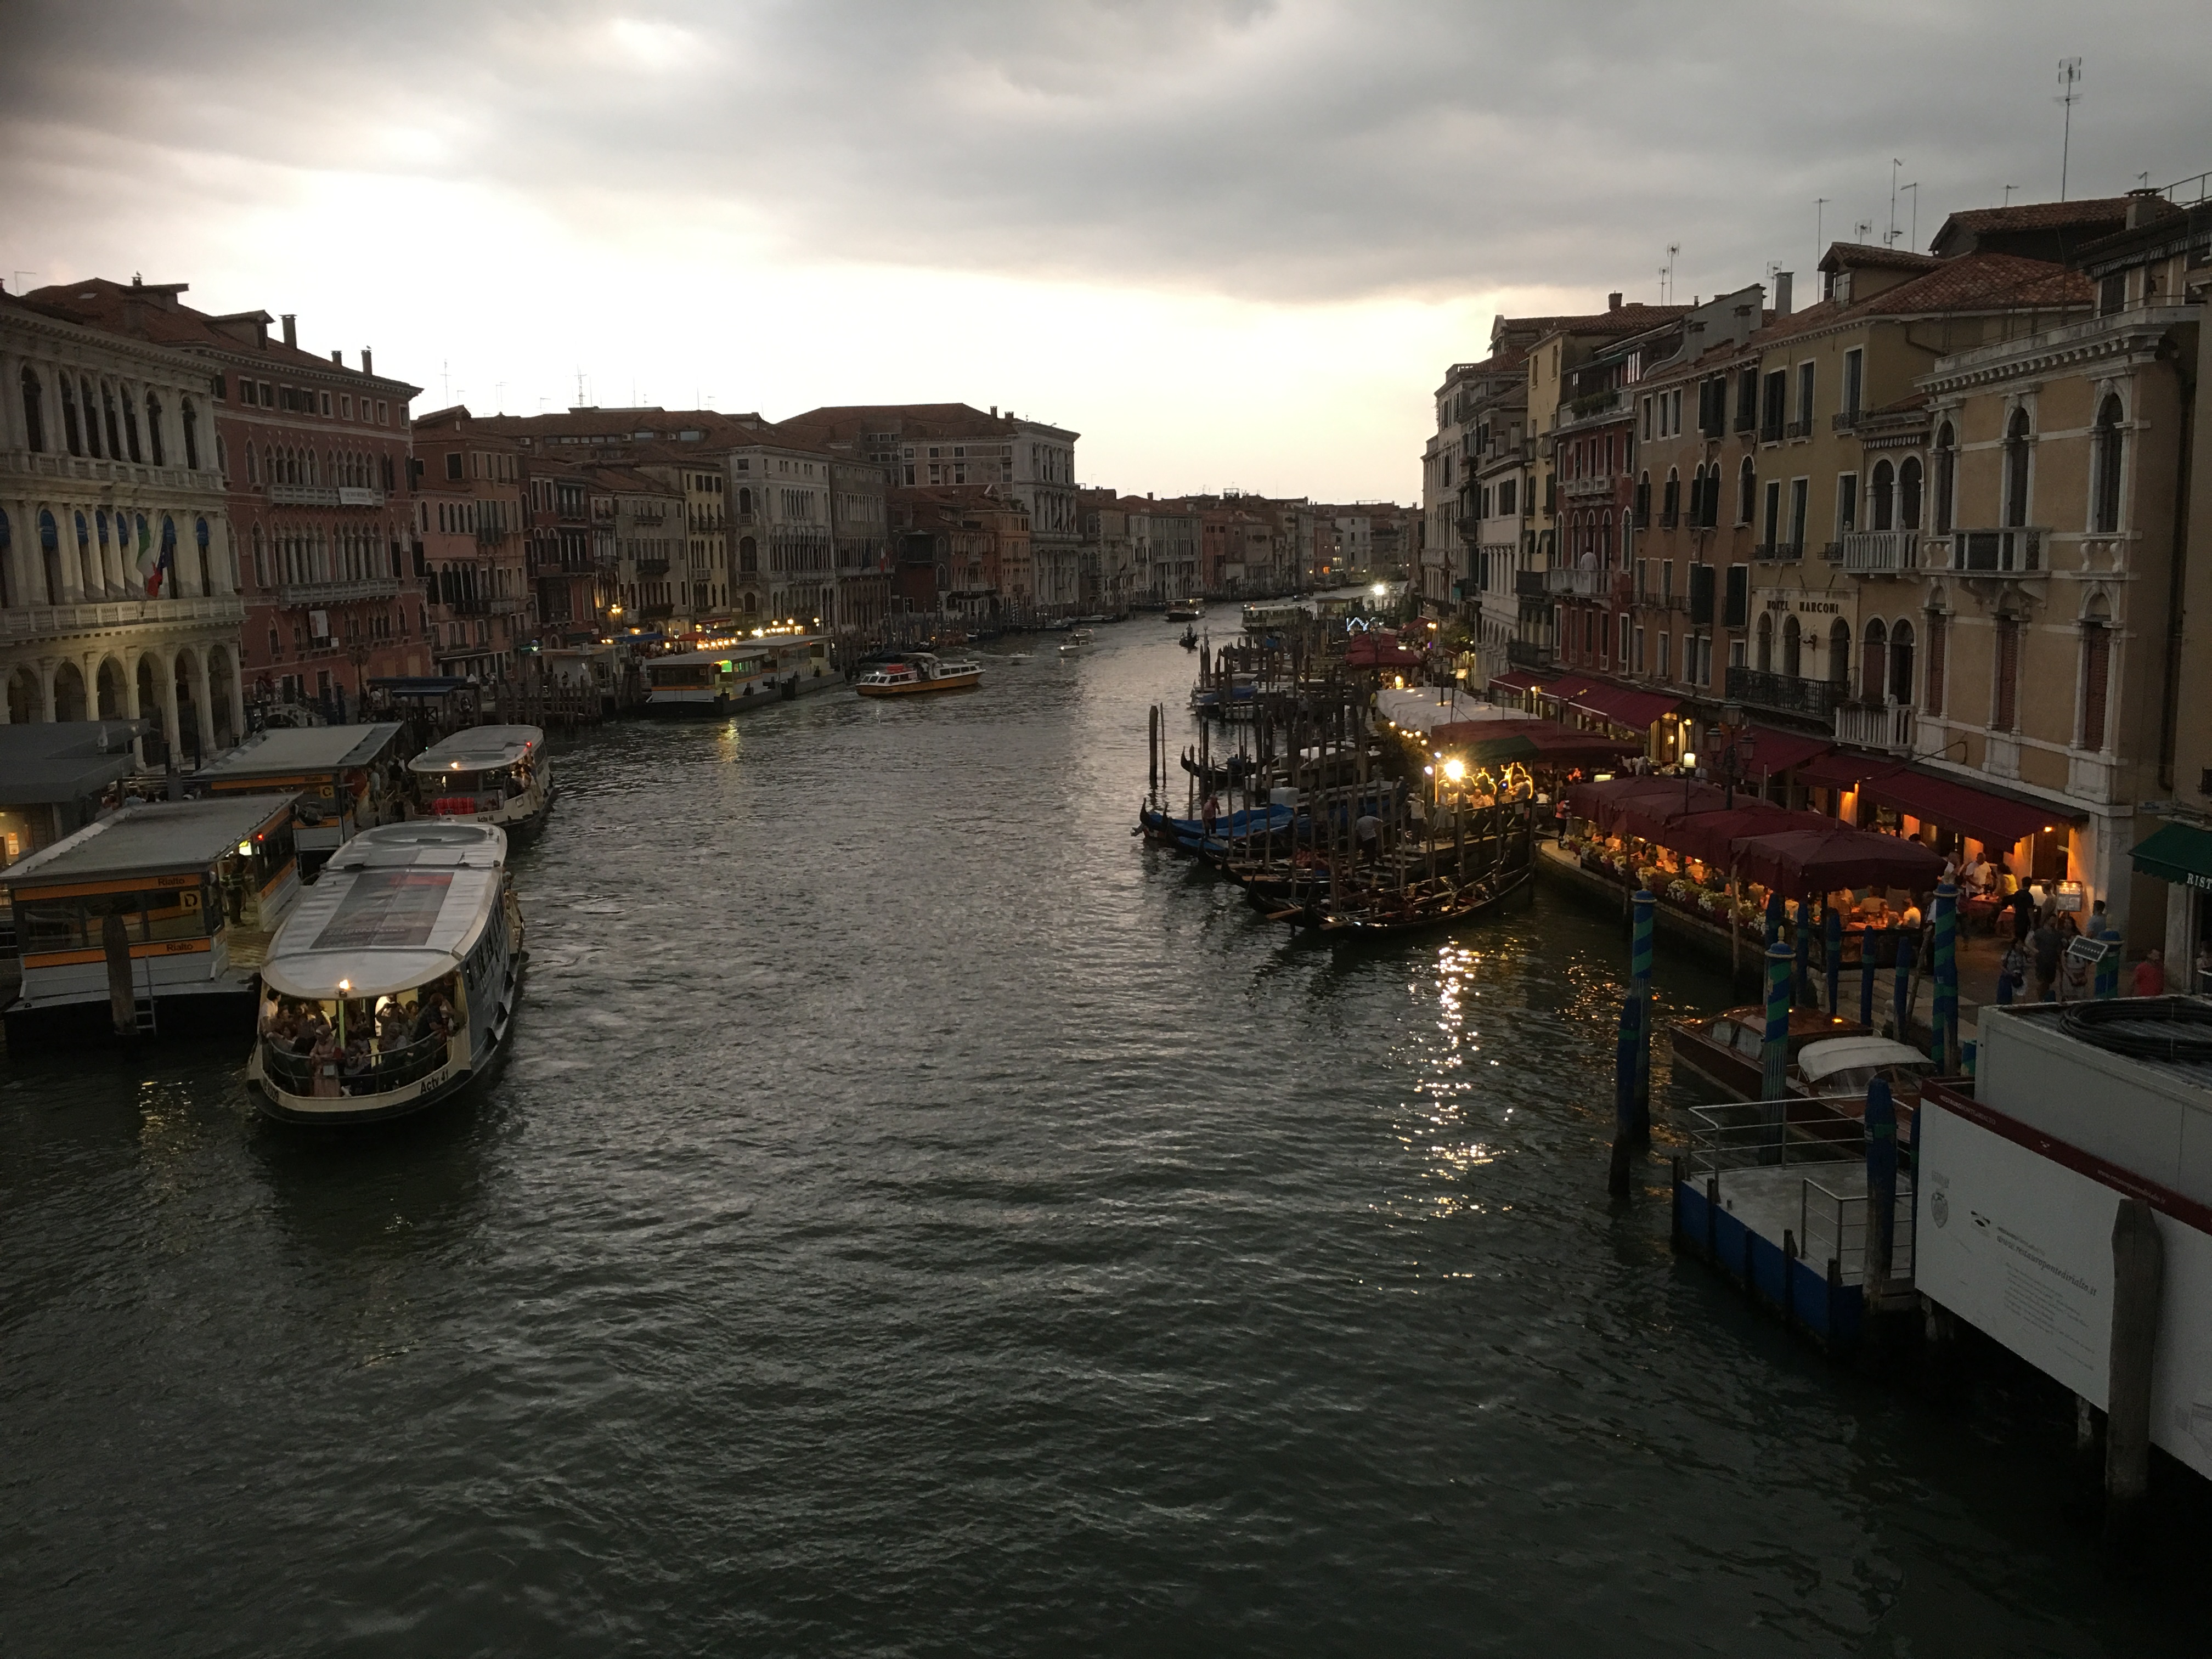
(118,579)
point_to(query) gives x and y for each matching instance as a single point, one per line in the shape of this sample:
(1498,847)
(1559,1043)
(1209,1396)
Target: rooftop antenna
(1667,274)
(1819,209)
(2009,190)
(2069,76)
(1889,236)
(499,395)
(446,380)
(580,385)
(1863,230)
(1915,188)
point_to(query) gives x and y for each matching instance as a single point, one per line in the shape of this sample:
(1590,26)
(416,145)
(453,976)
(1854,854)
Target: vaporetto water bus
(917,674)
(393,984)
(169,902)
(499,775)
(743,674)
(346,779)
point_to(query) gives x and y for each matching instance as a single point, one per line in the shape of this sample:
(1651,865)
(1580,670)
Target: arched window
(2096,675)
(154,430)
(192,435)
(2105,513)
(130,424)
(1670,503)
(1765,661)
(87,578)
(1644,500)
(167,567)
(1746,492)
(114,430)
(1900,662)
(70,434)
(1882,489)
(91,418)
(7,587)
(1792,648)
(1946,478)
(1839,652)
(1874,661)
(2015,470)
(34,412)
(748,548)
(1908,494)
(2004,692)
(200,539)
(50,556)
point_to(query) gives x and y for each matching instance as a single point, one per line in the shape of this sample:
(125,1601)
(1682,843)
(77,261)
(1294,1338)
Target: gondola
(1348,927)
(1189,640)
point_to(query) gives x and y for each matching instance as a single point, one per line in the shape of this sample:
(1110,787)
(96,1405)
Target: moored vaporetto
(393,984)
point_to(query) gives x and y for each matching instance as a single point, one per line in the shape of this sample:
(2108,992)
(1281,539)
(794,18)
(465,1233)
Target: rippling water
(919,1220)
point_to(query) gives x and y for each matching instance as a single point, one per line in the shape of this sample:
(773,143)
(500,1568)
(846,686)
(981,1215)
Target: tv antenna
(446,380)
(2070,78)
(1667,274)
(580,385)
(1915,188)
(1819,209)
(1889,236)
(2009,190)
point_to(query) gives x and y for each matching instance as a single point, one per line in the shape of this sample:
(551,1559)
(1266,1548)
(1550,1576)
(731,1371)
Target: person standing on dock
(1208,813)
(1368,831)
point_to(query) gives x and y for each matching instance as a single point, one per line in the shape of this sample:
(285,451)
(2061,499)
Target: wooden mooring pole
(2138,1276)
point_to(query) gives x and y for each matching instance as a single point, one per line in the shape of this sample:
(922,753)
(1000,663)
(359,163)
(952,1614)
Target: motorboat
(917,674)
(493,775)
(1186,610)
(1077,642)
(1729,1048)
(394,983)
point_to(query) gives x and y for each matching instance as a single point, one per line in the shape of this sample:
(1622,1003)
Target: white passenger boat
(499,775)
(917,674)
(1186,610)
(748,673)
(346,779)
(1077,644)
(170,903)
(393,984)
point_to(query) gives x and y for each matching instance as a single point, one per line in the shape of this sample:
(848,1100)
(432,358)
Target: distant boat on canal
(393,984)
(748,674)
(1077,642)
(918,673)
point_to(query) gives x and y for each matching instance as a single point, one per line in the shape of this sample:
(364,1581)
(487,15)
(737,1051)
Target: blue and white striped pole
(1945,1047)
(1801,932)
(1774,1055)
(1774,919)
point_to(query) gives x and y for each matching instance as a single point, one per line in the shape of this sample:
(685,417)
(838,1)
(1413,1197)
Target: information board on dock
(2020,1245)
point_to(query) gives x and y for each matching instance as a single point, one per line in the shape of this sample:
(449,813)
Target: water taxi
(491,775)
(746,674)
(170,903)
(917,674)
(346,778)
(393,984)
(1077,644)
(1187,611)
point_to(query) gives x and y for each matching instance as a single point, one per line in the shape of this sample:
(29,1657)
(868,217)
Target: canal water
(921,1220)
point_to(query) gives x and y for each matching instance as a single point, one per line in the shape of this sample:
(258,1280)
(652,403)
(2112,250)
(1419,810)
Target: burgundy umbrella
(1711,836)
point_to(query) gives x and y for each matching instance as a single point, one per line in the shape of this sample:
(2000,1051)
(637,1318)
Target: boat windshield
(358,1045)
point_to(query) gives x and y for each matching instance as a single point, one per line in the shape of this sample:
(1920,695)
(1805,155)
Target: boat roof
(150,838)
(282,750)
(1834,1055)
(737,648)
(400,905)
(478,749)
(44,762)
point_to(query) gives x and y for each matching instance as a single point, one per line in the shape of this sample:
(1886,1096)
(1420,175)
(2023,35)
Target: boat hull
(924,688)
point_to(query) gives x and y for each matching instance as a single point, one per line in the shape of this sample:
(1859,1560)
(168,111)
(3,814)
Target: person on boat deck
(1368,831)
(324,1059)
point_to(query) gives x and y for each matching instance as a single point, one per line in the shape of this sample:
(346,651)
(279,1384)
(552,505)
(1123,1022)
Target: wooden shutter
(1939,632)
(2096,671)
(2008,675)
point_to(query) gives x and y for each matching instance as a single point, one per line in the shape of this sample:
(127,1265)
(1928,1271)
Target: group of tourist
(355,1053)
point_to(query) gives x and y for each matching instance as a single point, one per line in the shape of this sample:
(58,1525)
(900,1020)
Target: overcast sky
(1231,242)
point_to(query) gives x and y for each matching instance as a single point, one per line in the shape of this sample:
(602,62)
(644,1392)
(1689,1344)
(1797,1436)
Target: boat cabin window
(360,1045)
(150,915)
(1749,1040)
(1724,1033)
(680,674)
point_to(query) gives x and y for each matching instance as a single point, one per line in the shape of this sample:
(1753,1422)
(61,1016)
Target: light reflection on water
(921,1218)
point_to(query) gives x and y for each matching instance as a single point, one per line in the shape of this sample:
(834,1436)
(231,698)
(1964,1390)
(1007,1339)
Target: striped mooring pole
(1774,919)
(2108,966)
(1944,1046)
(1907,938)
(1831,952)
(1774,1056)
(1640,968)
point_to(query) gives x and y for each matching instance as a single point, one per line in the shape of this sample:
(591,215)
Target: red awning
(1566,687)
(1803,863)
(1548,742)
(1991,819)
(1605,804)
(1766,751)
(1516,679)
(1839,768)
(1379,653)
(1712,835)
(1624,706)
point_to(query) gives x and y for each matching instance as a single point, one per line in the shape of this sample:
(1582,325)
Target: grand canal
(919,1220)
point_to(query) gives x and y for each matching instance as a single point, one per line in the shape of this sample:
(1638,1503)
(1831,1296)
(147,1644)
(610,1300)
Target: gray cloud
(1264,149)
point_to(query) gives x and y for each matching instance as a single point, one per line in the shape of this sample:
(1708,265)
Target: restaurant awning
(1805,862)
(1515,680)
(1541,742)
(1624,706)
(1604,803)
(2178,853)
(1989,819)
(1566,687)
(1766,751)
(1712,835)
(1839,768)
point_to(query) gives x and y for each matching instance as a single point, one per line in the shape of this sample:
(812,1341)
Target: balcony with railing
(1887,726)
(1590,409)
(1778,552)
(1880,552)
(656,612)
(41,465)
(652,566)
(2017,552)
(339,593)
(1529,584)
(1785,693)
(1600,486)
(1576,584)
(1528,654)
(36,621)
(1799,429)
(1846,420)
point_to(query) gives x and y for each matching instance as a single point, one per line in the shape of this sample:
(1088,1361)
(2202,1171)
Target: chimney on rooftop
(1782,280)
(291,329)
(994,411)
(2144,205)
(1613,301)
(367,363)
(338,357)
